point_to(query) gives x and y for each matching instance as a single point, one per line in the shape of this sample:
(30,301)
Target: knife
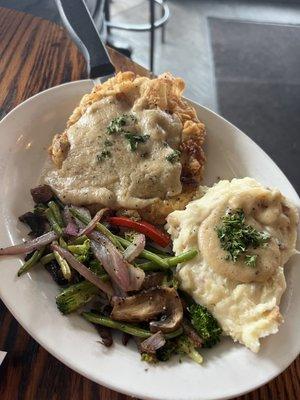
(2,356)
(80,26)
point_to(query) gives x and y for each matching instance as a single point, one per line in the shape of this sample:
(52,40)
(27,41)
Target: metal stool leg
(98,14)
(118,45)
(163,28)
(152,33)
(107,14)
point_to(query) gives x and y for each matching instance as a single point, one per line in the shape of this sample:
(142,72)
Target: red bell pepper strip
(144,227)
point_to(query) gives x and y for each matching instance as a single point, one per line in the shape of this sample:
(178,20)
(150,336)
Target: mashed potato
(244,298)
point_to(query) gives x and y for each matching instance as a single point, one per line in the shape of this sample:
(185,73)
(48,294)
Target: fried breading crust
(165,93)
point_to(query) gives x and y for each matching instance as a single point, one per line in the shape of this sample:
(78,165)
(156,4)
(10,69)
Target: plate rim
(53,351)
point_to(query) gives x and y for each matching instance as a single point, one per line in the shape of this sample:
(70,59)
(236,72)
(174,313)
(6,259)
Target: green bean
(40,208)
(59,203)
(183,257)
(171,261)
(32,261)
(64,266)
(79,240)
(77,248)
(99,227)
(56,212)
(150,266)
(174,334)
(51,257)
(63,243)
(153,249)
(166,262)
(106,232)
(47,258)
(57,229)
(148,255)
(127,328)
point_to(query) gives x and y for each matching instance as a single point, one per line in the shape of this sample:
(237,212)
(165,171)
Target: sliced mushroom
(148,305)
(153,280)
(42,194)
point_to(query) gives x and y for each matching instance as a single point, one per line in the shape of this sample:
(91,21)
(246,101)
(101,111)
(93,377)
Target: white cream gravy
(126,178)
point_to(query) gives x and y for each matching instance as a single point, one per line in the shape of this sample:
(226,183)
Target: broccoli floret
(182,346)
(205,325)
(75,296)
(171,281)
(96,267)
(185,346)
(81,251)
(149,358)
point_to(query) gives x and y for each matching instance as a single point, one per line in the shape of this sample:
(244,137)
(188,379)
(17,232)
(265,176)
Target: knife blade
(81,27)
(2,356)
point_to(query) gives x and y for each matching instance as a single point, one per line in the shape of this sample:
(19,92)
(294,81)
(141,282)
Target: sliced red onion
(71,226)
(153,343)
(67,216)
(29,245)
(118,291)
(112,261)
(135,248)
(137,277)
(92,224)
(71,229)
(125,275)
(83,270)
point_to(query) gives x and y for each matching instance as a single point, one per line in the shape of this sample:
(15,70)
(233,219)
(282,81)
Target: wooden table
(35,55)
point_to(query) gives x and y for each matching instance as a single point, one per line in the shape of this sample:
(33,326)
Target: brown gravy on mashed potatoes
(102,165)
(243,298)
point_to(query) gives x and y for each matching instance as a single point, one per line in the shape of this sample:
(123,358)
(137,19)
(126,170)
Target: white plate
(229,369)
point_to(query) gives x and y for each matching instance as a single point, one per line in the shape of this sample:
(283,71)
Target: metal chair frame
(150,27)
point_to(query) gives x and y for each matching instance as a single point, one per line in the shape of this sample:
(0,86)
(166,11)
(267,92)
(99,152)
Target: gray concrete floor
(187,51)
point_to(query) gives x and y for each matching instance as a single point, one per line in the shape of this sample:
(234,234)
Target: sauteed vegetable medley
(119,273)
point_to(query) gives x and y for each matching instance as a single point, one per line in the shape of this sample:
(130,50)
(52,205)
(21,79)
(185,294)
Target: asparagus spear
(127,328)
(50,216)
(32,261)
(56,212)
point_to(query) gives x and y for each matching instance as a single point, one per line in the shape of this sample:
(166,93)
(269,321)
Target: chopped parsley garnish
(174,156)
(116,124)
(103,155)
(236,237)
(133,118)
(250,259)
(134,140)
